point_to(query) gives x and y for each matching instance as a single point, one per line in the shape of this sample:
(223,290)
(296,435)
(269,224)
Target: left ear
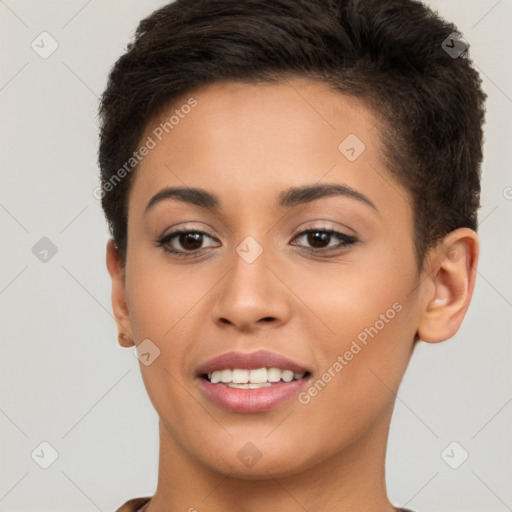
(448,288)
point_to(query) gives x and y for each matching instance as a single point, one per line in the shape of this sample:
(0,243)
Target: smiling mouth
(252,379)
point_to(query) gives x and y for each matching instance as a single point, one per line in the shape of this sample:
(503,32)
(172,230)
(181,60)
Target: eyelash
(346,241)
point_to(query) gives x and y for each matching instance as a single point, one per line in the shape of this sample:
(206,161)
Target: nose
(251,296)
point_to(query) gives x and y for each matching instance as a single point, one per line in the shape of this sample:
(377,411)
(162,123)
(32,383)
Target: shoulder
(133,505)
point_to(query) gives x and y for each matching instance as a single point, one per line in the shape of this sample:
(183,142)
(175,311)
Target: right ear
(119,303)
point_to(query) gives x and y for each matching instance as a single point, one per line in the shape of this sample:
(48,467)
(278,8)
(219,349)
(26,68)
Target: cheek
(372,318)
(348,298)
(360,377)
(161,297)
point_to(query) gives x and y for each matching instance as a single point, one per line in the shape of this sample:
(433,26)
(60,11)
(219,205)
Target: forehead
(279,117)
(251,140)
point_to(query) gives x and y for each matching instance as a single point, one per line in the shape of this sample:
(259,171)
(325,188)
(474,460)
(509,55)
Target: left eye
(323,237)
(191,241)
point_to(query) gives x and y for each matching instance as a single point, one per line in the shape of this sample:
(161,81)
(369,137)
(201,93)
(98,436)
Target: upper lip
(249,361)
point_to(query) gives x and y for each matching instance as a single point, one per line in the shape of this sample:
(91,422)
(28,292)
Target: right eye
(189,240)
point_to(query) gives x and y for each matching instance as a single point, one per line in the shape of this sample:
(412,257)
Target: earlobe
(449,286)
(119,303)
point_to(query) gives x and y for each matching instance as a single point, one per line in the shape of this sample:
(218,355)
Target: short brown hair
(392,53)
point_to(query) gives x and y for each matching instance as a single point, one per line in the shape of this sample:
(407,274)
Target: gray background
(65,380)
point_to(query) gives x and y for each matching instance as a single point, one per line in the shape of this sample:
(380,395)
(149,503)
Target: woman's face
(326,280)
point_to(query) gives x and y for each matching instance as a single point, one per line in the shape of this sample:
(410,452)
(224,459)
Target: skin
(246,144)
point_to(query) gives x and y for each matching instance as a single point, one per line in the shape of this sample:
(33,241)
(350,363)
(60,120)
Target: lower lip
(251,400)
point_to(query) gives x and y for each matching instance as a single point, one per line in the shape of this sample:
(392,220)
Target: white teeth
(252,379)
(287,375)
(226,375)
(240,376)
(258,376)
(274,375)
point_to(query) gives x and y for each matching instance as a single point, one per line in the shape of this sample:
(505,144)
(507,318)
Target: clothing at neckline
(141,504)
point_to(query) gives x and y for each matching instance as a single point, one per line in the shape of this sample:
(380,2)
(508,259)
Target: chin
(261,460)
(279,466)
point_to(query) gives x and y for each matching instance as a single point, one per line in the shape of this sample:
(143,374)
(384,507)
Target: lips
(251,398)
(250,361)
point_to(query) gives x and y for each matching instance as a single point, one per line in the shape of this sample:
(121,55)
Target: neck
(350,480)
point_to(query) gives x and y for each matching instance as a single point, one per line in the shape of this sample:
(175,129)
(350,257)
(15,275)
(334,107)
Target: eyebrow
(287,199)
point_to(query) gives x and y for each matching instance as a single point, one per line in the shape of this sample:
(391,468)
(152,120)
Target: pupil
(191,237)
(317,236)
